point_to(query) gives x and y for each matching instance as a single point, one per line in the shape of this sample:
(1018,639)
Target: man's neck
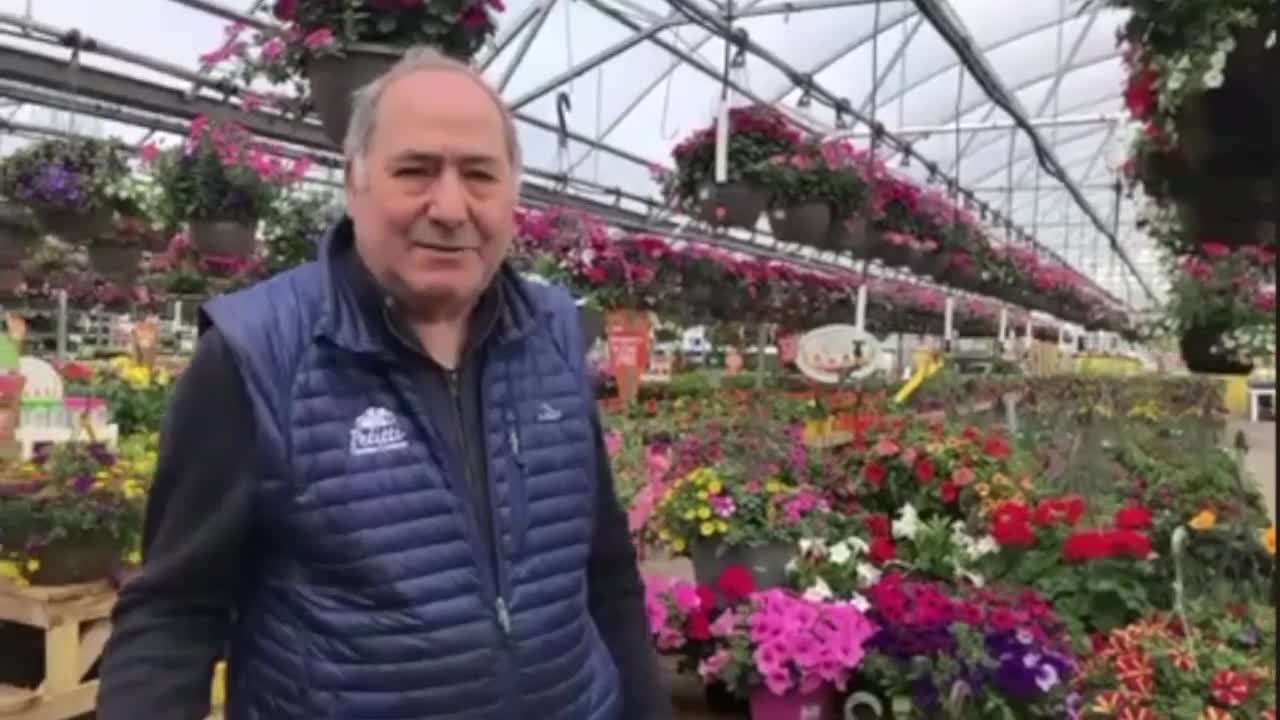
(443,338)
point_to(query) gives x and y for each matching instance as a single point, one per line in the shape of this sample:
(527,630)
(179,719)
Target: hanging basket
(807,224)
(74,227)
(923,261)
(855,236)
(1197,347)
(115,261)
(1234,130)
(334,79)
(733,204)
(76,560)
(17,232)
(223,238)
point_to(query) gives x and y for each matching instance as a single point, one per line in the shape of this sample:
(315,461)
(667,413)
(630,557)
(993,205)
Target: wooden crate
(75,621)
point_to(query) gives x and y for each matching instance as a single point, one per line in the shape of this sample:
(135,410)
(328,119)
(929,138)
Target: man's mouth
(441,248)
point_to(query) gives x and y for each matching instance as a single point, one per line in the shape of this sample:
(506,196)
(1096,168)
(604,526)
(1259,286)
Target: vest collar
(354,310)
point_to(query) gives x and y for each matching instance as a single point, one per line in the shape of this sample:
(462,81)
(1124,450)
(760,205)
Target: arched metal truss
(644,72)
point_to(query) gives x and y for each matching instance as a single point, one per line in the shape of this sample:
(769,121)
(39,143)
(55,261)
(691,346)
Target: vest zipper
(501,612)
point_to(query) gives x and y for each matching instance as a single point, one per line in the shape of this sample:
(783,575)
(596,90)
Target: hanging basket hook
(563,105)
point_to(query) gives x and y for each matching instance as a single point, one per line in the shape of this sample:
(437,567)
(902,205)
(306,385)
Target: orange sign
(628,339)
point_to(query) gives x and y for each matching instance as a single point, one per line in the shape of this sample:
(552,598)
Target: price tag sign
(833,353)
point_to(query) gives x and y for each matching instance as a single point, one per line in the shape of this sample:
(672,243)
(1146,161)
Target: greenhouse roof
(984,81)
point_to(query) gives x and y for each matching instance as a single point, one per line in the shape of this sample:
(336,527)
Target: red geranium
(882,550)
(1011,525)
(877,524)
(736,583)
(1084,545)
(1065,510)
(1133,517)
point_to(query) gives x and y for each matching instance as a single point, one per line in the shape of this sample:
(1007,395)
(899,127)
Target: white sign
(833,353)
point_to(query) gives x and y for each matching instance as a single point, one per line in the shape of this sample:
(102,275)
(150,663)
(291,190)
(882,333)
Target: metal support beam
(922,131)
(898,54)
(513,29)
(526,42)
(831,58)
(664,76)
(949,25)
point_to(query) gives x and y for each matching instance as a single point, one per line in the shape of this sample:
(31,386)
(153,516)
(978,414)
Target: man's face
(433,201)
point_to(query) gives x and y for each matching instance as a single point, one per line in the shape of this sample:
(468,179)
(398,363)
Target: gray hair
(364,105)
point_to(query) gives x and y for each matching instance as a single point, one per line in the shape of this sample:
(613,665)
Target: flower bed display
(987,573)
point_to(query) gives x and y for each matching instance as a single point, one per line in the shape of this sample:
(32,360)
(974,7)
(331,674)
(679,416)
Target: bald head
(449,75)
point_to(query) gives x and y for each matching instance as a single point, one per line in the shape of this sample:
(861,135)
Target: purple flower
(82,484)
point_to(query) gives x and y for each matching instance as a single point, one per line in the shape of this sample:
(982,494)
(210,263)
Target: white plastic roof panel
(1058,59)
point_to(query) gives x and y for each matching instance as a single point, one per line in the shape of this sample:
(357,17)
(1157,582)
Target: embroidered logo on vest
(546,413)
(376,431)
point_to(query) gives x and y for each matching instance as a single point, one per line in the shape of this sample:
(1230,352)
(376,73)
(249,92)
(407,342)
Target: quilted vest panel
(375,600)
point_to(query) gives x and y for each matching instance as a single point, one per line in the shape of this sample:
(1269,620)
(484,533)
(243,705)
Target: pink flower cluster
(795,643)
(668,604)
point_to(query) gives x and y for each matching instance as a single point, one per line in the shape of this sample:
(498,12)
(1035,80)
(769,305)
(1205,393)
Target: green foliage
(293,227)
(808,176)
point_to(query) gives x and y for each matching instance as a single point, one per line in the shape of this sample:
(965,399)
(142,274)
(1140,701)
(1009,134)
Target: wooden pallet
(75,620)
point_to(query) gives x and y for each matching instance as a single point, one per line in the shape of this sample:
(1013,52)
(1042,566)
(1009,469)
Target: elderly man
(382,484)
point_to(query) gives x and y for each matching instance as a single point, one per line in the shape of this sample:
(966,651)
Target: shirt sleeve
(616,597)
(170,623)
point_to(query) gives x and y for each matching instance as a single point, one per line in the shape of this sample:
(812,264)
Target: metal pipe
(525,43)
(995,125)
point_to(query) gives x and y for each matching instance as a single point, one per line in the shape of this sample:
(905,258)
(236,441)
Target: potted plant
(1216,298)
(64,182)
(221,184)
(340,46)
(733,484)
(790,655)
(71,514)
(756,134)
(810,190)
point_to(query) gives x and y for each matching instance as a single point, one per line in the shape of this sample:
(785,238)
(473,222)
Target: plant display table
(75,621)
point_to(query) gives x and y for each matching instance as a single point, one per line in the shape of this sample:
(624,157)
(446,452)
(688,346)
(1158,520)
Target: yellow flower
(33,565)
(723,527)
(690,514)
(10,570)
(999,479)
(1205,520)
(983,489)
(714,487)
(774,487)
(1269,539)
(134,558)
(707,529)
(664,534)
(704,512)
(133,489)
(678,545)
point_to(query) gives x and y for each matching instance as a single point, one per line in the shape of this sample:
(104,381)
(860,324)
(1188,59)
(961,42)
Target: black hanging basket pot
(78,228)
(1197,345)
(334,79)
(115,261)
(806,224)
(855,236)
(925,263)
(733,204)
(17,231)
(223,238)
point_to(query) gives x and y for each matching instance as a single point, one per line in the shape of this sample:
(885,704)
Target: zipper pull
(504,617)
(513,434)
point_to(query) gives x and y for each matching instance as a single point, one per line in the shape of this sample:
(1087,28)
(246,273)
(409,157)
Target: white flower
(1218,60)
(840,553)
(860,602)
(982,547)
(907,524)
(857,545)
(1175,80)
(818,591)
(1214,79)
(868,574)
(1271,40)
(806,544)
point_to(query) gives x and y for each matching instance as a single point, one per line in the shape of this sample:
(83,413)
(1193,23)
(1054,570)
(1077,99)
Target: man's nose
(448,202)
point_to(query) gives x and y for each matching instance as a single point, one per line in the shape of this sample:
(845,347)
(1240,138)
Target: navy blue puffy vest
(372,598)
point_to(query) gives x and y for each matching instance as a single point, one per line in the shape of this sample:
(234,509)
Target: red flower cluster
(735,584)
(1085,545)
(881,549)
(1013,524)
